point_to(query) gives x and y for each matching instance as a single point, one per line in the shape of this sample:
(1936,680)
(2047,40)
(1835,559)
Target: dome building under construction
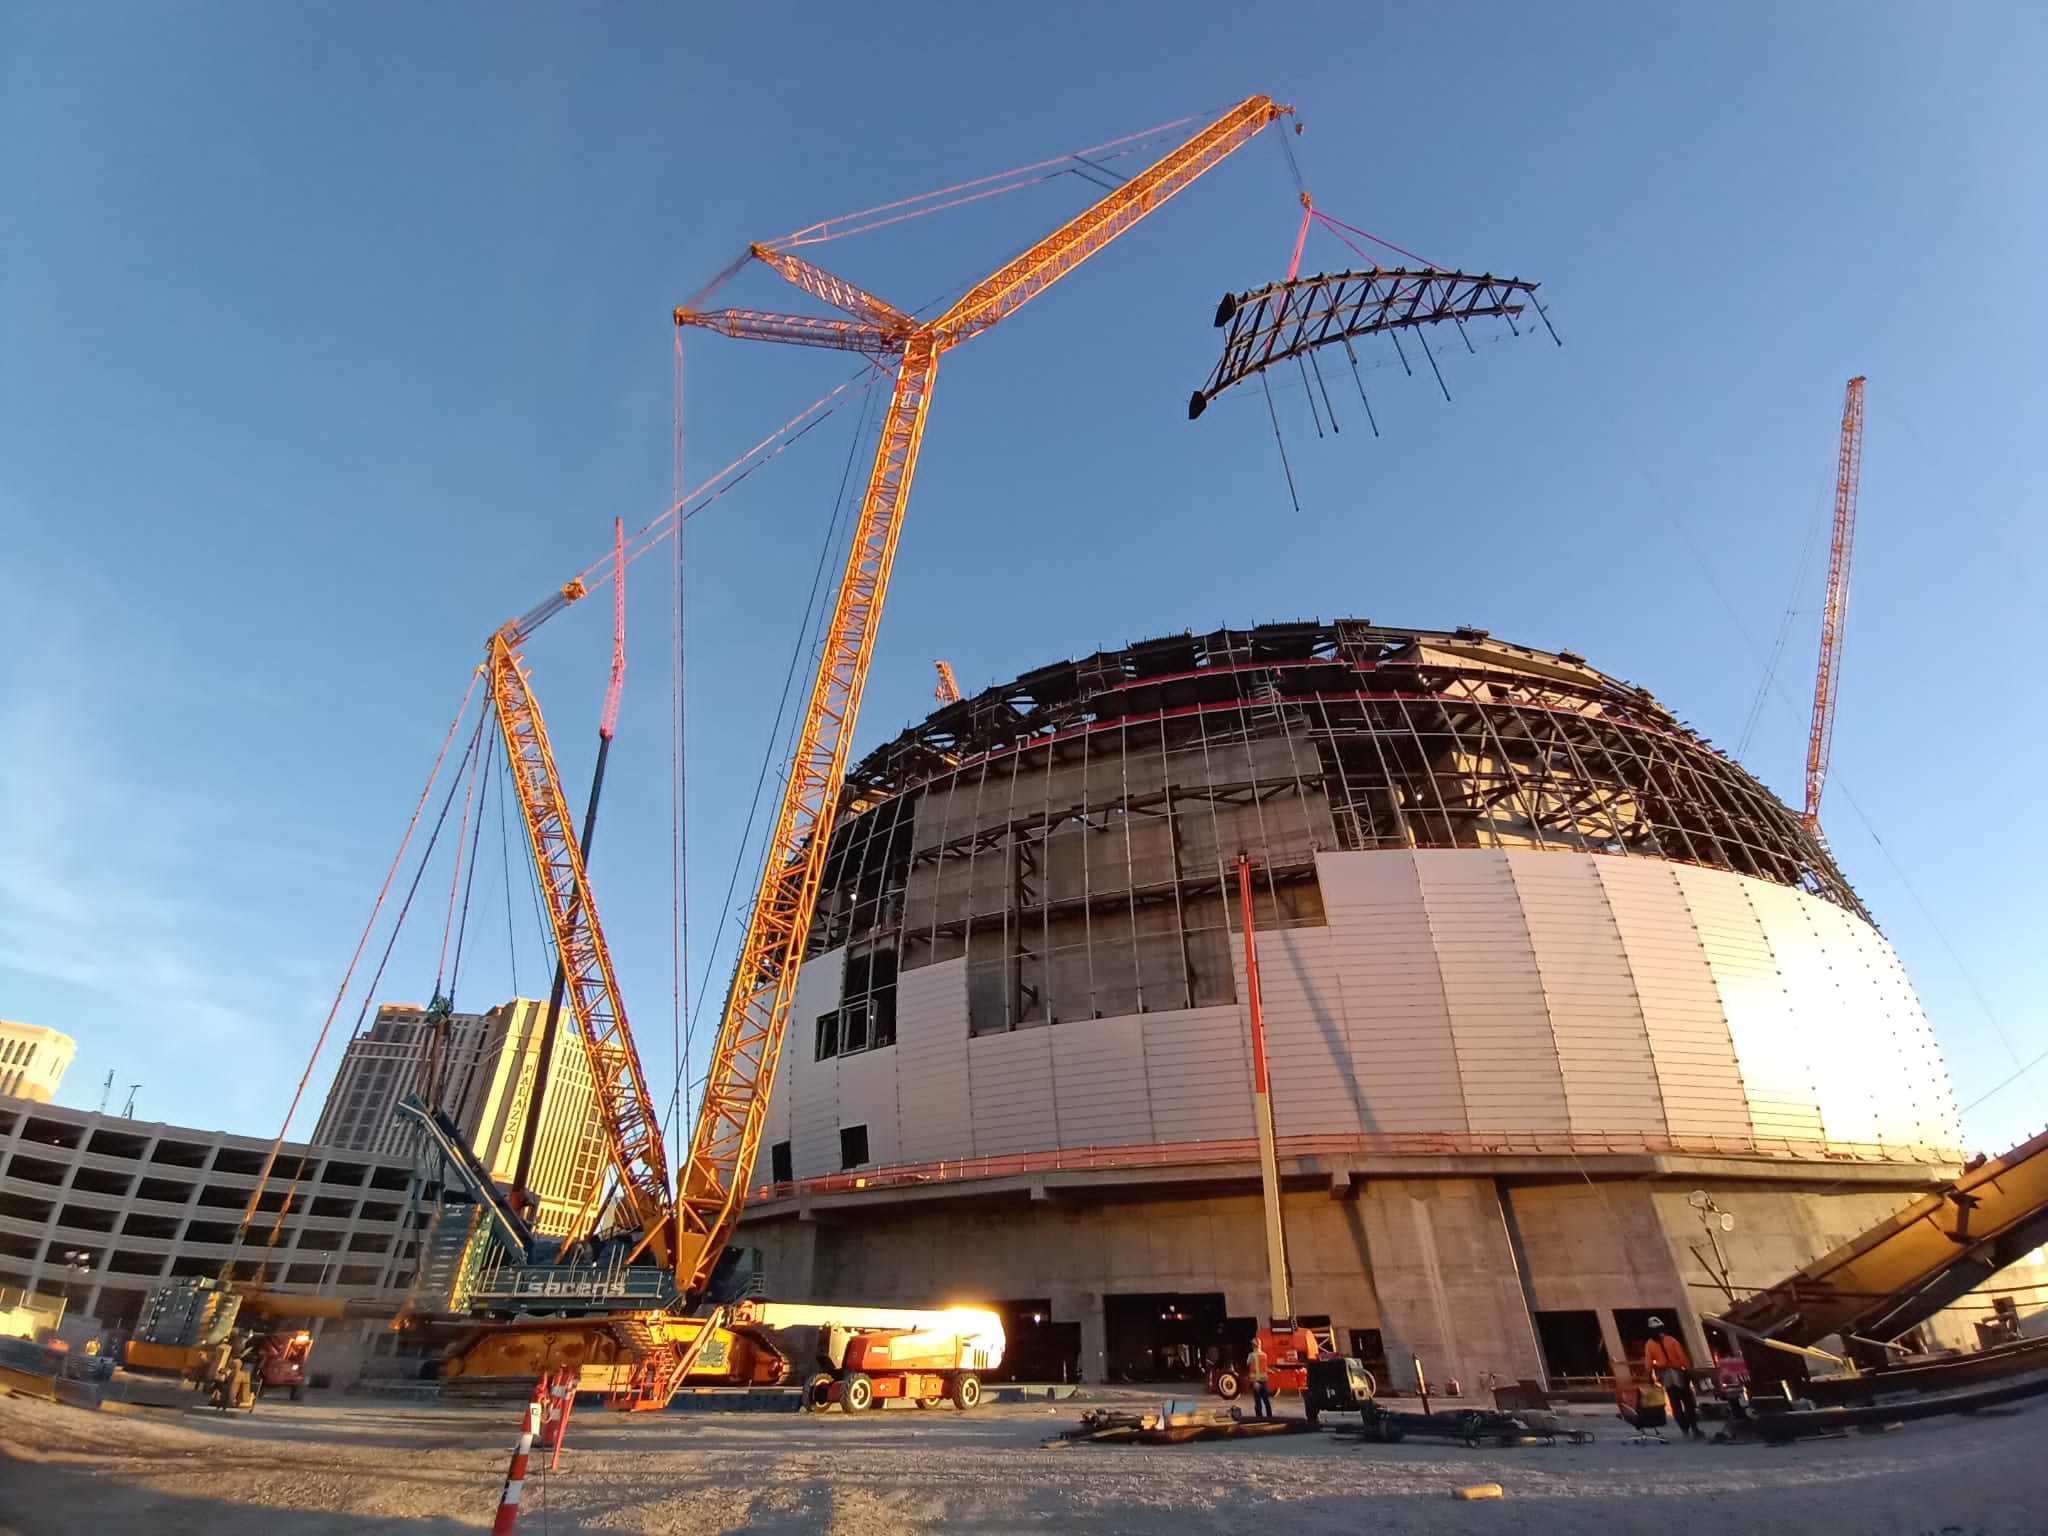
(1552,990)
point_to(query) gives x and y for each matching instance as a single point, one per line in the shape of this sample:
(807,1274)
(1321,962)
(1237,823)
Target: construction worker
(1256,1367)
(1664,1357)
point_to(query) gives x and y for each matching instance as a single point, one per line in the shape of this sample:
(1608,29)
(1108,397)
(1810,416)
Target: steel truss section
(1073,816)
(1271,324)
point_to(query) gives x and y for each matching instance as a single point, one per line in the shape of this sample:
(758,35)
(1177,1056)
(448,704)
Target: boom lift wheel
(818,1392)
(856,1392)
(966,1390)
(1228,1385)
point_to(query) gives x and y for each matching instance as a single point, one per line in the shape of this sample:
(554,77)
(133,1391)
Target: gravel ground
(366,1468)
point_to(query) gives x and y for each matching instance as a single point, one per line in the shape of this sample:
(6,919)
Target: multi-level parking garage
(1539,964)
(96,1209)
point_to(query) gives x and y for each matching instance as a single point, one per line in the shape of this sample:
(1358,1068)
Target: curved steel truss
(1283,320)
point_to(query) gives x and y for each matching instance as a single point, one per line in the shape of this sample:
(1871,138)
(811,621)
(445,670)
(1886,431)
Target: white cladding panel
(867,1096)
(1396,1018)
(1513,991)
(1009,1081)
(1603,1044)
(1500,1025)
(931,1044)
(1309,1056)
(1698,1080)
(1198,1074)
(1777,1075)
(813,1085)
(1098,1075)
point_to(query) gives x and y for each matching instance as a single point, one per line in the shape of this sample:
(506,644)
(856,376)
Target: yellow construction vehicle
(657,1305)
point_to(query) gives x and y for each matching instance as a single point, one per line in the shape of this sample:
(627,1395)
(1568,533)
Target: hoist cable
(679,883)
(475,843)
(472,760)
(773,753)
(971,191)
(348,976)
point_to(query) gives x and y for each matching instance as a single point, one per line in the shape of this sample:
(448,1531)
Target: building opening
(1036,1347)
(1573,1351)
(1369,1349)
(1168,1335)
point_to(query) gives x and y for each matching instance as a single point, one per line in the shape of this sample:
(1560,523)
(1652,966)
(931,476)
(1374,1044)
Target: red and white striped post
(561,1399)
(515,1475)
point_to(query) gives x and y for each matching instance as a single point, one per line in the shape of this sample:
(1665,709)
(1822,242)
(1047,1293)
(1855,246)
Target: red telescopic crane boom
(1849,470)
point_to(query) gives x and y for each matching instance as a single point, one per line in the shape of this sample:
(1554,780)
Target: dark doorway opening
(1036,1348)
(1369,1349)
(1573,1351)
(1169,1335)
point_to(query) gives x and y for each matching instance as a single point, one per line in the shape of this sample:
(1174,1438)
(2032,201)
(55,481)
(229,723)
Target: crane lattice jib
(625,1108)
(755,1021)
(808,330)
(1848,473)
(834,290)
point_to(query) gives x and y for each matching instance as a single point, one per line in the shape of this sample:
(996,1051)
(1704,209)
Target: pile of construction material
(1174,1422)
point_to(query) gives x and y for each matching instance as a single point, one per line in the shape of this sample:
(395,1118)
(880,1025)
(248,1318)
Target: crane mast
(625,1108)
(728,1129)
(1848,472)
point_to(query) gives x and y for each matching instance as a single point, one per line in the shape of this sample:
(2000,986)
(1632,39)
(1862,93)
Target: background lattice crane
(948,690)
(1847,474)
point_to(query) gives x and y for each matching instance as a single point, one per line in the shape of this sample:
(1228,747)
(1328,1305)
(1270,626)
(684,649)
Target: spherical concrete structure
(1522,936)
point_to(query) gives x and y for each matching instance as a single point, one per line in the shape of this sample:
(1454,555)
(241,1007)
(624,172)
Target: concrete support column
(1085,1308)
(1445,1276)
(1617,1353)
(792,1265)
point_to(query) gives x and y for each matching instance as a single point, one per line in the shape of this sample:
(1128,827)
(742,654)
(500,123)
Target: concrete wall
(1447,1268)
(1073,1254)
(1598,1248)
(1445,1271)
(1473,992)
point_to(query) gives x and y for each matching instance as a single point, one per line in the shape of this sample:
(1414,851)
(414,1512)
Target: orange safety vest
(1666,1352)
(1255,1365)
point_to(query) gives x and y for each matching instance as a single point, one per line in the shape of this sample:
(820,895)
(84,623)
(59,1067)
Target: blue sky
(333,335)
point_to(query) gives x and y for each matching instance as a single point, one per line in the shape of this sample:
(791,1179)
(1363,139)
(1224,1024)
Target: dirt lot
(363,1468)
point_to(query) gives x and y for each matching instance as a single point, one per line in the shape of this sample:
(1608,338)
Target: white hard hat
(1656,1322)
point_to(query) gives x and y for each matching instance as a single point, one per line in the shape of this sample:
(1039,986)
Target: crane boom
(751,1030)
(625,1108)
(1004,291)
(1848,473)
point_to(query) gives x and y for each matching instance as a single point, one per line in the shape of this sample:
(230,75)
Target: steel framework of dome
(1069,831)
